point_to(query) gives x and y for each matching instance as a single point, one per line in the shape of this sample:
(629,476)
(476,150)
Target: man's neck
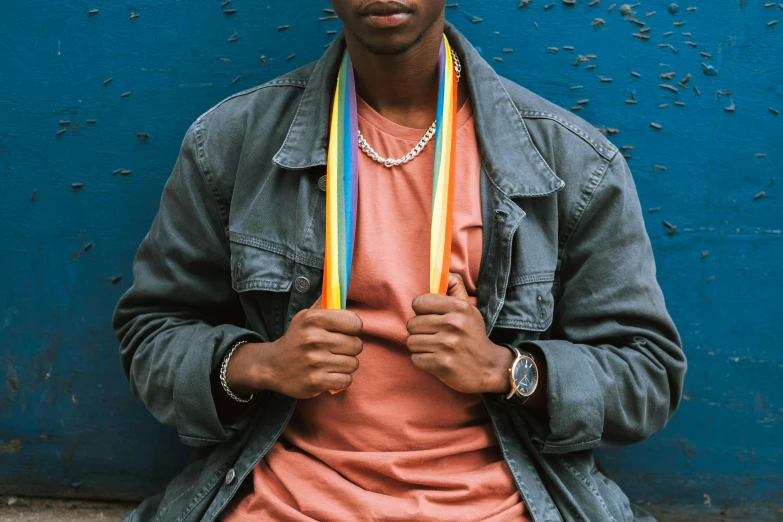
(402,87)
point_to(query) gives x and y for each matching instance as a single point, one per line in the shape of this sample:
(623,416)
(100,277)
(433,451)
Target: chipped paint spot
(9,316)
(198,80)
(12,446)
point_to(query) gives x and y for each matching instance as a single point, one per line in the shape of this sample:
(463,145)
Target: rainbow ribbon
(342,190)
(342,183)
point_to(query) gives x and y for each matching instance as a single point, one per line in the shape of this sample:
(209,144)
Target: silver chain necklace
(389,162)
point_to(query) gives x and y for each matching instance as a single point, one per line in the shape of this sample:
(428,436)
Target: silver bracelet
(223,368)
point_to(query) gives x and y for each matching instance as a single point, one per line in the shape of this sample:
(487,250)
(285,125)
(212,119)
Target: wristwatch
(523,376)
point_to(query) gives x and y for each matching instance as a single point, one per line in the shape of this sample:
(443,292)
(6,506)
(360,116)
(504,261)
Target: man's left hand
(448,339)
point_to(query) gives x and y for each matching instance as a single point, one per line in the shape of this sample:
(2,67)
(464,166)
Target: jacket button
(322,183)
(302,284)
(230,476)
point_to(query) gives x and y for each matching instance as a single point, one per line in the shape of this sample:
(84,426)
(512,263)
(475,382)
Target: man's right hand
(317,353)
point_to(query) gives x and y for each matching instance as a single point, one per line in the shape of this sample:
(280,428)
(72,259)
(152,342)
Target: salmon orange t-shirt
(398,444)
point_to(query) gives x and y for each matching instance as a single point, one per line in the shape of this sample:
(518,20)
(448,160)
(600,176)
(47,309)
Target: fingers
(438,304)
(340,344)
(422,343)
(332,372)
(336,343)
(424,324)
(457,287)
(321,361)
(342,364)
(425,362)
(456,299)
(338,321)
(336,382)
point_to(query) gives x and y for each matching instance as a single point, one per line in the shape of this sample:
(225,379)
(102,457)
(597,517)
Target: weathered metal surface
(93,108)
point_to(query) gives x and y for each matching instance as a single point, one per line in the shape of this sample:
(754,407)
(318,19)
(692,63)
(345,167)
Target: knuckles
(451,341)
(457,322)
(309,318)
(312,358)
(444,363)
(417,360)
(311,382)
(311,338)
(462,307)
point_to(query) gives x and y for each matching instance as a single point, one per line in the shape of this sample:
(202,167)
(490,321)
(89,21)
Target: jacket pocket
(257,264)
(262,275)
(529,302)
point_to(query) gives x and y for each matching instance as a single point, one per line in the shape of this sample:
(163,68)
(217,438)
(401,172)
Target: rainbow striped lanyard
(342,183)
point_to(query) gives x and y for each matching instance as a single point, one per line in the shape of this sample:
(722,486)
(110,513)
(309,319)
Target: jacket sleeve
(614,364)
(181,315)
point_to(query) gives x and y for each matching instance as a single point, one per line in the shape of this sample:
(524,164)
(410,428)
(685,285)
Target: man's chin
(389,44)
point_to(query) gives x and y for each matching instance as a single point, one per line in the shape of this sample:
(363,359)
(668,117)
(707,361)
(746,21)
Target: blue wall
(68,424)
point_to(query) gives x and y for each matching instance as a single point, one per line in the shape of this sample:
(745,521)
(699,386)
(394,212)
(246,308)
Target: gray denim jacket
(237,247)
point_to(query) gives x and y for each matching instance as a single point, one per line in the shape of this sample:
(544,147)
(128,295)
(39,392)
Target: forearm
(173,378)
(248,371)
(181,314)
(607,395)
(614,360)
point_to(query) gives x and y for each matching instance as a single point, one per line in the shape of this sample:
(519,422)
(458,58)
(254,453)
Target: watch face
(525,376)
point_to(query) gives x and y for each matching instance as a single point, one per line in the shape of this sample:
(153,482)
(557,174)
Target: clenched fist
(448,339)
(317,353)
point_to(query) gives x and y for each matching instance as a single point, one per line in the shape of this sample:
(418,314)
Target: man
(502,318)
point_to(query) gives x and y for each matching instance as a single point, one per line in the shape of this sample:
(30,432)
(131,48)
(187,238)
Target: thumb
(457,287)
(317,304)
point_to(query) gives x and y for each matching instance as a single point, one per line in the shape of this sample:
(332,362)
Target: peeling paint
(700,175)
(13,446)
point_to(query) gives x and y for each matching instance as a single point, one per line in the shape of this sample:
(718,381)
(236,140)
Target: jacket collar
(509,156)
